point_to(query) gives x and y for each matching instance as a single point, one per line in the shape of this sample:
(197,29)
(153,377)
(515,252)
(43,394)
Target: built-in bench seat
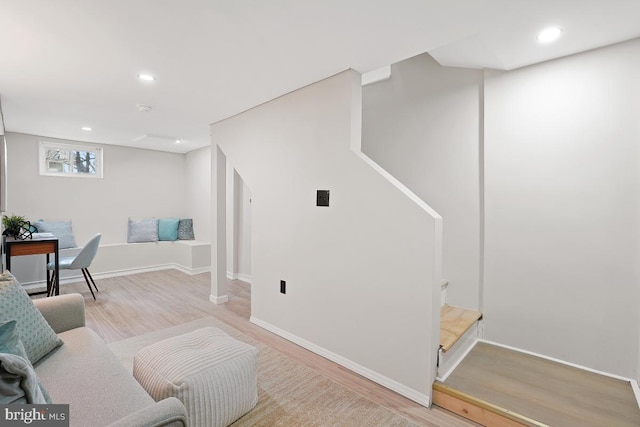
(115,259)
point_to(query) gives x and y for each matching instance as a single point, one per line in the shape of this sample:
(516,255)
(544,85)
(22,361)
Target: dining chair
(82,261)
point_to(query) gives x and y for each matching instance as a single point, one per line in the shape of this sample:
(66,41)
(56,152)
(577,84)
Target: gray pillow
(18,381)
(61,229)
(35,333)
(142,230)
(185,229)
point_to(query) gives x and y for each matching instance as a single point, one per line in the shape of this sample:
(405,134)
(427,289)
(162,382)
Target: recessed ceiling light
(178,141)
(147,77)
(87,128)
(549,35)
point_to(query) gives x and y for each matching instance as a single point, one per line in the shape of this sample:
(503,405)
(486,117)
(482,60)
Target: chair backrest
(86,255)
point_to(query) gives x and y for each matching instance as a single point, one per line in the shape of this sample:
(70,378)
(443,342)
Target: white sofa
(84,373)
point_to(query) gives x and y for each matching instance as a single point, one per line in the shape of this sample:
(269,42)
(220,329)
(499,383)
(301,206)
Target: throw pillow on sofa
(19,382)
(142,230)
(35,333)
(61,229)
(168,229)
(10,339)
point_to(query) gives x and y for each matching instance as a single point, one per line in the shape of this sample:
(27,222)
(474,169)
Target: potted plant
(16,226)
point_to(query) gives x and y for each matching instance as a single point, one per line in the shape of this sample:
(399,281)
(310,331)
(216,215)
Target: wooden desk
(13,247)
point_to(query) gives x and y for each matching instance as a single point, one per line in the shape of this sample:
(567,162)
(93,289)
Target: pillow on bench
(185,229)
(142,230)
(168,228)
(61,229)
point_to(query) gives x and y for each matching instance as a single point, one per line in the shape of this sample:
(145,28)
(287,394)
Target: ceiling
(66,64)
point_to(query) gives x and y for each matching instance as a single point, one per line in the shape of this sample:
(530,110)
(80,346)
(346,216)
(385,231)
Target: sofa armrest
(62,312)
(169,412)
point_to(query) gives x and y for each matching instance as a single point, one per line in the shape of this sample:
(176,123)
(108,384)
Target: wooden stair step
(478,410)
(454,322)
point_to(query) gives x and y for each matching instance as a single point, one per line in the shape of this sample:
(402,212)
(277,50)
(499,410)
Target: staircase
(501,387)
(458,335)
(454,323)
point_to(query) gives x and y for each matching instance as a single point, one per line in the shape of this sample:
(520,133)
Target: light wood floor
(545,391)
(133,305)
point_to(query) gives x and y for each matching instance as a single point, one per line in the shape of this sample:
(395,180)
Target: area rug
(289,393)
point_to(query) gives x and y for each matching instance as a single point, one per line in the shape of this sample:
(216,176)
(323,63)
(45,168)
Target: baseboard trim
(219,300)
(244,278)
(636,391)
(191,271)
(393,385)
(239,276)
(118,273)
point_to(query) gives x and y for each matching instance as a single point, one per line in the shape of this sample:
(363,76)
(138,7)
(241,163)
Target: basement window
(57,159)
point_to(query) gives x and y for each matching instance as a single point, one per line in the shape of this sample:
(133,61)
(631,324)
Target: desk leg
(49,284)
(57,270)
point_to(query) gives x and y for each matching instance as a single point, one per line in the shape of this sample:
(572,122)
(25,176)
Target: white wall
(3,177)
(1,119)
(562,208)
(232,223)
(198,192)
(360,274)
(562,194)
(423,127)
(243,253)
(137,183)
(238,213)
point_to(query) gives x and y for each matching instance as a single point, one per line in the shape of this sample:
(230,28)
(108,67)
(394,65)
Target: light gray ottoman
(213,374)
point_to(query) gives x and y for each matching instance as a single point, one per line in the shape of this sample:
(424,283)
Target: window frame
(42,160)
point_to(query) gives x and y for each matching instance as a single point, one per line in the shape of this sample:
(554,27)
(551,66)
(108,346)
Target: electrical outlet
(283,287)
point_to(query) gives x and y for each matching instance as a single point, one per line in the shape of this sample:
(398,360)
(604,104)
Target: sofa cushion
(108,389)
(142,230)
(35,333)
(61,229)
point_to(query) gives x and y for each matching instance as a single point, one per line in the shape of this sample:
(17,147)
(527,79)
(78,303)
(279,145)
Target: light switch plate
(322,198)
